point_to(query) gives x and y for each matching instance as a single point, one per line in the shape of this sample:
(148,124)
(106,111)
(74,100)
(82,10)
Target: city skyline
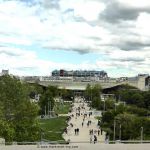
(39,36)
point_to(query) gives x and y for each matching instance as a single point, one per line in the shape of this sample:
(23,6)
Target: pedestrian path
(80,118)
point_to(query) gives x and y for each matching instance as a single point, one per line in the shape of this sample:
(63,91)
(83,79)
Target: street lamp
(91,93)
(114,138)
(116,104)
(49,108)
(45,110)
(120,133)
(104,104)
(41,135)
(141,134)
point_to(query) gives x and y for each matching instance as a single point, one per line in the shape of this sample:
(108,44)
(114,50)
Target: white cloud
(89,10)
(135,3)
(76,25)
(143,24)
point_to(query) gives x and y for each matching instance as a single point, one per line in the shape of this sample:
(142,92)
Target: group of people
(93,139)
(91,132)
(80,112)
(76,131)
(89,123)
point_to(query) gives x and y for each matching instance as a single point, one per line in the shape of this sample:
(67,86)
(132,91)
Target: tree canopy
(18,116)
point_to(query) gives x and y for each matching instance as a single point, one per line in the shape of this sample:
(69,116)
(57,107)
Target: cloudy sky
(38,36)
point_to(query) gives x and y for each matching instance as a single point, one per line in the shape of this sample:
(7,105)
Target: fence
(45,142)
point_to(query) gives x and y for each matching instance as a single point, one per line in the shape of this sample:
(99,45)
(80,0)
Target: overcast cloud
(115,29)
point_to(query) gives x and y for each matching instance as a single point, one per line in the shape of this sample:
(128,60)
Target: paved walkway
(81,107)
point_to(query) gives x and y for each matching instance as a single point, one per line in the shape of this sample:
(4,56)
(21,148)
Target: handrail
(75,142)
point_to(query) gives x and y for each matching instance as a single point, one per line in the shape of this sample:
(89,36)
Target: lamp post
(91,93)
(45,110)
(41,135)
(120,133)
(104,105)
(116,104)
(49,107)
(141,134)
(114,131)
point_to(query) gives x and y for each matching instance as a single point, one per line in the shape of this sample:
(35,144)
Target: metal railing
(75,142)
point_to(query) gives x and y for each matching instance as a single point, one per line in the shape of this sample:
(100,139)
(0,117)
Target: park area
(52,129)
(62,108)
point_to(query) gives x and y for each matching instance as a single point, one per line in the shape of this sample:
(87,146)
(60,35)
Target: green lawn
(62,108)
(53,128)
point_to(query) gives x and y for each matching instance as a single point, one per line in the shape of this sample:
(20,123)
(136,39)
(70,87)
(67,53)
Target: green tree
(108,116)
(7,130)
(109,104)
(66,94)
(46,100)
(130,126)
(16,108)
(34,89)
(137,99)
(88,92)
(146,96)
(96,96)
(92,93)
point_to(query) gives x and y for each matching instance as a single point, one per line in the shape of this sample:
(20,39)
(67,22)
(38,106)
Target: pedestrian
(91,139)
(95,131)
(66,130)
(99,123)
(75,131)
(71,124)
(98,132)
(95,139)
(101,131)
(90,122)
(87,124)
(82,124)
(89,132)
(107,138)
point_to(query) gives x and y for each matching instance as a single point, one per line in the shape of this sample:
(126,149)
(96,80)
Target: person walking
(98,132)
(75,131)
(101,131)
(95,139)
(82,124)
(91,139)
(87,124)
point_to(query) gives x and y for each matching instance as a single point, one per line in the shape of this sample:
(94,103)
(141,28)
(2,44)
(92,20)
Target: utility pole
(114,130)
(141,134)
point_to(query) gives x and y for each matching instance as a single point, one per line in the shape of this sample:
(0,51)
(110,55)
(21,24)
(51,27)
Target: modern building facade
(5,72)
(79,73)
